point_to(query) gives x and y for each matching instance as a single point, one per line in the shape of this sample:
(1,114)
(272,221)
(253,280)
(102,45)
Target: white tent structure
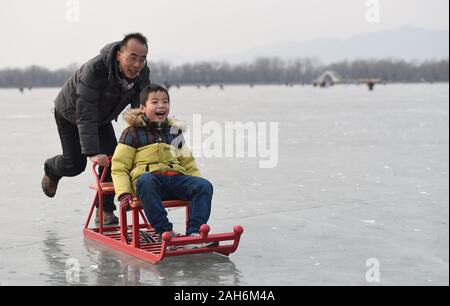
(328,78)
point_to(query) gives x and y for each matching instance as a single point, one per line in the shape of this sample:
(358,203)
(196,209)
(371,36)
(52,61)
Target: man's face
(157,107)
(132,58)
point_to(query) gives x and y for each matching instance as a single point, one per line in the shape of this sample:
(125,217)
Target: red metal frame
(127,238)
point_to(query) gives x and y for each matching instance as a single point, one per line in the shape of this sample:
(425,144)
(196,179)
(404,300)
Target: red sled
(140,239)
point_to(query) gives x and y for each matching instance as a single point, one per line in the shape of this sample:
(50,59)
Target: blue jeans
(152,189)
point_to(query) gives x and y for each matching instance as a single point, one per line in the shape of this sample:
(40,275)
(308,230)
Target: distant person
(94,96)
(150,148)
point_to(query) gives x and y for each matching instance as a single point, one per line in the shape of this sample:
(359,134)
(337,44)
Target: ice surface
(345,155)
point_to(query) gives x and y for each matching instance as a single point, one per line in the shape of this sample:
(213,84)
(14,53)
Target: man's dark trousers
(72,162)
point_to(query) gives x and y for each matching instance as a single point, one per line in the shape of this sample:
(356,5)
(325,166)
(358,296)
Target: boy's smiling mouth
(161,115)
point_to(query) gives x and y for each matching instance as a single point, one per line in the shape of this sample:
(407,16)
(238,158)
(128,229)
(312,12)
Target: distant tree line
(260,71)
(35,76)
(394,70)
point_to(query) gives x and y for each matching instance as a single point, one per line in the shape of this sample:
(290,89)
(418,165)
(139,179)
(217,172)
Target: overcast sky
(51,33)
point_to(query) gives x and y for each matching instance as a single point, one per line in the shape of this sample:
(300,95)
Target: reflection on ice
(116,268)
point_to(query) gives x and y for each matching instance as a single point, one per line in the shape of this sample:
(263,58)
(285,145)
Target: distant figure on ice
(153,162)
(370,83)
(94,96)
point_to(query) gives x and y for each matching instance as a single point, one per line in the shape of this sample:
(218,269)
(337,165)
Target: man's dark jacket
(93,96)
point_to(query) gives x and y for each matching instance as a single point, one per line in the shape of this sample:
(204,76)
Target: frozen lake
(361,175)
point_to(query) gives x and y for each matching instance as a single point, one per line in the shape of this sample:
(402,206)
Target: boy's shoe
(108,218)
(200,245)
(174,234)
(147,237)
(49,185)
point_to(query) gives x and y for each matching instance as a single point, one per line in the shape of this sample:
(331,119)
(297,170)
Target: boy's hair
(141,38)
(148,90)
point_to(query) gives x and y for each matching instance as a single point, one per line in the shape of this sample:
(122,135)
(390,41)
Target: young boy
(151,146)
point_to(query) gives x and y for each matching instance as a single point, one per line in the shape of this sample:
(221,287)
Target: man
(94,96)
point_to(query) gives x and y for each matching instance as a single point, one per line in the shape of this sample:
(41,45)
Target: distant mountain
(406,43)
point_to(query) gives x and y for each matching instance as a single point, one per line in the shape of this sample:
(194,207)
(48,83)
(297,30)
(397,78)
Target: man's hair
(150,89)
(141,38)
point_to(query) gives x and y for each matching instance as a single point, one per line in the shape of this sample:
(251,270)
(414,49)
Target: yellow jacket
(147,147)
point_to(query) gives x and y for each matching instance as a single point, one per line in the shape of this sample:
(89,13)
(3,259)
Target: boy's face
(157,107)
